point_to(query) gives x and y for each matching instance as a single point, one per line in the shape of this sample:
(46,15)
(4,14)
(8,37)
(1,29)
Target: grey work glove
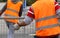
(16,27)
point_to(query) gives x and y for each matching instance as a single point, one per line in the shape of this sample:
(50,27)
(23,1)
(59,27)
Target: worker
(45,14)
(11,10)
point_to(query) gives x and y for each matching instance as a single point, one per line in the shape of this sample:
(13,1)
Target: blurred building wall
(58,0)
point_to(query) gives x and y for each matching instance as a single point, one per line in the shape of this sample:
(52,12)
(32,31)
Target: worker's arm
(21,9)
(28,18)
(3,9)
(57,9)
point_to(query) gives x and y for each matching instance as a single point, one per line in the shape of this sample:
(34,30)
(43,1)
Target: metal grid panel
(23,32)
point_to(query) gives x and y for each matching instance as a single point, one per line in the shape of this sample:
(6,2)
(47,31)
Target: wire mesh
(23,32)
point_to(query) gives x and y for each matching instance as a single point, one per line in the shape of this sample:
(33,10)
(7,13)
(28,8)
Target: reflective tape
(47,26)
(12,10)
(30,12)
(46,18)
(56,4)
(10,16)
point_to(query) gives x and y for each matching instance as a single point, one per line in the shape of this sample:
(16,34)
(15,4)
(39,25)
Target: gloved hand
(16,26)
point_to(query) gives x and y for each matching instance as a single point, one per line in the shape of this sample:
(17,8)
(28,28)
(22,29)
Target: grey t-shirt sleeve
(58,13)
(28,20)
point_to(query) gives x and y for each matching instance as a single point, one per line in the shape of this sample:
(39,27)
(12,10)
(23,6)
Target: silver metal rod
(12,18)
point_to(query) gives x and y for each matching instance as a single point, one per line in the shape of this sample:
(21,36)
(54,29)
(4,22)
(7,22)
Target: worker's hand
(22,23)
(16,27)
(19,24)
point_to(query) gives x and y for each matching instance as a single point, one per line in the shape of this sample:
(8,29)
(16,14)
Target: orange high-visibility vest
(12,11)
(45,16)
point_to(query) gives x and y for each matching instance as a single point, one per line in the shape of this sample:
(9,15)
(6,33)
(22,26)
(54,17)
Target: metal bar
(12,18)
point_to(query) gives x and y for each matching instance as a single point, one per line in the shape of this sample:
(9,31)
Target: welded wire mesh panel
(23,32)
(3,29)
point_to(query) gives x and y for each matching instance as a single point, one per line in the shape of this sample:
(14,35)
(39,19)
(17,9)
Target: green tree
(3,0)
(29,2)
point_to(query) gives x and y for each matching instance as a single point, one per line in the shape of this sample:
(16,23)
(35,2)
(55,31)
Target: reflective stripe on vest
(47,26)
(46,18)
(10,16)
(12,10)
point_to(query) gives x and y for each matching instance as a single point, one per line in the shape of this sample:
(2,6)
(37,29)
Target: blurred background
(29,2)
(3,0)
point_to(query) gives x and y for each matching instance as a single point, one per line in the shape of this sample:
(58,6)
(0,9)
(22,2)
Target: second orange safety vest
(12,11)
(45,16)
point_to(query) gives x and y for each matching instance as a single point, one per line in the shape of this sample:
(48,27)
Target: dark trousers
(53,36)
